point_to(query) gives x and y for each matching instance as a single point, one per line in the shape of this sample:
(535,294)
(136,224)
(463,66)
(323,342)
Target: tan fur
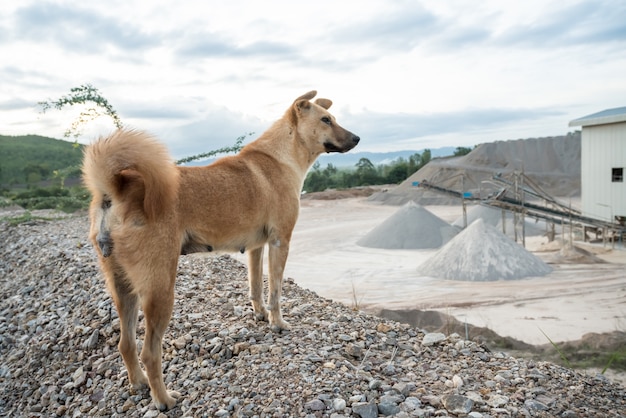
(146,211)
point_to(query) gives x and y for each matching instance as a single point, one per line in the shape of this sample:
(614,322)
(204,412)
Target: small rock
(374,384)
(497,401)
(339,404)
(365,410)
(92,341)
(179,343)
(384,328)
(534,405)
(240,347)
(411,403)
(79,377)
(315,405)
(457,404)
(388,409)
(433,338)
(355,351)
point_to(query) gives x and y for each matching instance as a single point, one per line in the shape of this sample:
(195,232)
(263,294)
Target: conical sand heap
(411,227)
(482,253)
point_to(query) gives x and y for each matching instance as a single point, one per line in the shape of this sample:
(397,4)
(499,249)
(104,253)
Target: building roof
(615,115)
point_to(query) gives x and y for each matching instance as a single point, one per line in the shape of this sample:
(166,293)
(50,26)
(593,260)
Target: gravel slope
(59,331)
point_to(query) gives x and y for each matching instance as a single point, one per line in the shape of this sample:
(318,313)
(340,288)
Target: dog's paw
(279,325)
(169,400)
(260,312)
(139,382)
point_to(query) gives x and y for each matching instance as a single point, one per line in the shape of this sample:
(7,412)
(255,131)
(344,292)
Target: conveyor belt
(553,211)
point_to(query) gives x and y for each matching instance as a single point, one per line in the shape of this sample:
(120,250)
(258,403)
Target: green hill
(29,159)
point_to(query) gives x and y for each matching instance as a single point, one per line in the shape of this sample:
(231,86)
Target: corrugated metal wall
(603,148)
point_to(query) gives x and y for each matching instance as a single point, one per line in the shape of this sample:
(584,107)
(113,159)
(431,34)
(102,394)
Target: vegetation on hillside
(365,173)
(30,159)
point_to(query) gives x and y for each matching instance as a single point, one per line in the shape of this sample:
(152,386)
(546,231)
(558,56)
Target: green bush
(55,197)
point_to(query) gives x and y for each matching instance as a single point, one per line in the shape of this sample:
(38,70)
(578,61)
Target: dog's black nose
(355,139)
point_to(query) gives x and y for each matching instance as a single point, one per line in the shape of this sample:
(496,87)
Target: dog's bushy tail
(132,167)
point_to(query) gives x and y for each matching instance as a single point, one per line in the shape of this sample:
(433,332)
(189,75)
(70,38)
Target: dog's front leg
(255,279)
(278,251)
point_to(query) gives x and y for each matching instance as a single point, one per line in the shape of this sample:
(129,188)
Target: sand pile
(482,253)
(411,227)
(575,255)
(493,217)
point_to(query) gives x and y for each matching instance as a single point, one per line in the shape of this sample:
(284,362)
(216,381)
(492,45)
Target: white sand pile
(410,227)
(493,216)
(482,253)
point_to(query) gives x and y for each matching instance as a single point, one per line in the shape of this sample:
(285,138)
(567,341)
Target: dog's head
(317,128)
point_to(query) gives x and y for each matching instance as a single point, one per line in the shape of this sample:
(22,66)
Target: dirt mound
(333,194)
(552,162)
(575,255)
(593,348)
(435,321)
(482,253)
(411,227)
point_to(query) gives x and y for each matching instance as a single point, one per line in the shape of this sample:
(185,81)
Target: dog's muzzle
(351,143)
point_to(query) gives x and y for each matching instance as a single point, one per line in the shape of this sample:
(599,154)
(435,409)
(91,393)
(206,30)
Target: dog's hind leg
(278,251)
(255,279)
(157,304)
(127,303)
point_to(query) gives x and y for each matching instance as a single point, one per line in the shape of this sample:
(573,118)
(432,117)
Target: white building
(603,162)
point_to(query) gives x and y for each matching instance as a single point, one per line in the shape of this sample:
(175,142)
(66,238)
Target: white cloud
(401,73)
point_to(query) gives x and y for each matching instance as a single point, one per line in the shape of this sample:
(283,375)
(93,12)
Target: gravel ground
(59,331)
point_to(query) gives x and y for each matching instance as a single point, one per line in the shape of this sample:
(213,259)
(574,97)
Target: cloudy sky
(404,75)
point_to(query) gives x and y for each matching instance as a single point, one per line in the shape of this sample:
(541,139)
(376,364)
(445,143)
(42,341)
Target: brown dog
(146,211)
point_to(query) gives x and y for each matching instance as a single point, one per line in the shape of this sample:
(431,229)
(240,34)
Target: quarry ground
(574,300)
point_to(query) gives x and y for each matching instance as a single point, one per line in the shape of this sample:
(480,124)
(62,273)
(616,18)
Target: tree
(425,158)
(87,93)
(224,150)
(366,172)
(397,173)
(80,95)
(330,170)
(460,151)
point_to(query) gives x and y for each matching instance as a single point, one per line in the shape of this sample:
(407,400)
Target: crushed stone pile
(482,253)
(493,217)
(410,227)
(59,333)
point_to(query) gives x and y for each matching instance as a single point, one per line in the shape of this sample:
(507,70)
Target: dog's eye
(326,120)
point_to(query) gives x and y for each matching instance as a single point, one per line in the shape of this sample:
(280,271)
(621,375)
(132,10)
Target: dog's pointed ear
(325,103)
(307,96)
(302,102)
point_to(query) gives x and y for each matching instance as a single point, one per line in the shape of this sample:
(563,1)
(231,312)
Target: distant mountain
(350,159)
